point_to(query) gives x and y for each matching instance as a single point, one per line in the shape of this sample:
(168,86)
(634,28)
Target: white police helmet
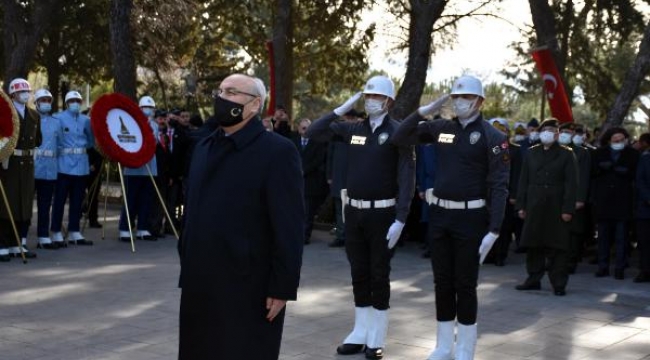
(468,84)
(501,121)
(19,84)
(380,85)
(41,93)
(147,101)
(73,95)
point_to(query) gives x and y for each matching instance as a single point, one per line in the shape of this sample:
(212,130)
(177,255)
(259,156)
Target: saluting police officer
(467,204)
(379,185)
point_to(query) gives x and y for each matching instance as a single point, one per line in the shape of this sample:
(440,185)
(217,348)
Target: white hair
(260,89)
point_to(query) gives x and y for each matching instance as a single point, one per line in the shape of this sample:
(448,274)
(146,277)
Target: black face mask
(227,113)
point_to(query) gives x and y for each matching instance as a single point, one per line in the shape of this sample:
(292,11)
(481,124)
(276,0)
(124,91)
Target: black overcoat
(613,183)
(242,243)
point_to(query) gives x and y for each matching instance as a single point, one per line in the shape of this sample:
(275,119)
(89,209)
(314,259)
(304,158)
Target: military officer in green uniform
(546,199)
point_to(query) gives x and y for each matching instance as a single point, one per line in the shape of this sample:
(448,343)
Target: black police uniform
(473,165)
(377,170)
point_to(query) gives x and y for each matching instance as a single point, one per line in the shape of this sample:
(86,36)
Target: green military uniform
(547,189)
(18,178)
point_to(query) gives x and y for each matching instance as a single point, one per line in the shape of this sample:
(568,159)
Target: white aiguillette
(358,140)
(446,138)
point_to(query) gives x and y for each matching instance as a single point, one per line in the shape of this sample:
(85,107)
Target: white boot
(445,342)
(377,329)
(359,333)
(466,342)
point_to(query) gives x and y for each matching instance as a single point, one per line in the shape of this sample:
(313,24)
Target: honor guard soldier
(380,184)
(17,174)
(578,229)
(547,201)
(46,167)
(467,204)
(76,137)
(139,188)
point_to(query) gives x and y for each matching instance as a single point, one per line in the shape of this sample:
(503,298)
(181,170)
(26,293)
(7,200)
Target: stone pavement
(104,302)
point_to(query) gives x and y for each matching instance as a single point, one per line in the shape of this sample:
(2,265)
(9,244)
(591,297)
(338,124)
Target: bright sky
(481,46)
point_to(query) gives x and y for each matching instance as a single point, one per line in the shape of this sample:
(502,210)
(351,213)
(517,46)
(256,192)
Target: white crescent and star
(552,79)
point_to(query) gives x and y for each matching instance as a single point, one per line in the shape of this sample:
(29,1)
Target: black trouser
(643,243)
(312,204)
(555,260)
(94,178)
(368,254)
(501,246)
(7,234)
(577,242)
(455,236)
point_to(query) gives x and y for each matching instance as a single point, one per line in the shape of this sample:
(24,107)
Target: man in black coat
(241,249)
(313,155)
(613,173)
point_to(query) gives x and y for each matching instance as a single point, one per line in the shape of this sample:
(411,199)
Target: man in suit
(313,155)
(241,249)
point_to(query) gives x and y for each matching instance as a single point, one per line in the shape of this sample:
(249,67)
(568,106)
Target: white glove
(5,163)
(348,105)
(433,107)
(486,245)
(394,232)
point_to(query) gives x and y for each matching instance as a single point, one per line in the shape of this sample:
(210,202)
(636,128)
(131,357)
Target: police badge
(474,137)
(382,138)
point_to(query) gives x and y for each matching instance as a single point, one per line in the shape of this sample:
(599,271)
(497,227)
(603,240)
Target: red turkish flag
(555,93)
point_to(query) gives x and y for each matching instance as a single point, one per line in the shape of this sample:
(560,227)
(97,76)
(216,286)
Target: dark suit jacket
(314,157)
(613,183)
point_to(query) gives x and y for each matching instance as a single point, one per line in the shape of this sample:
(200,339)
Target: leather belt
(75,151)
(453,205)
(371,204)
(45,153)
(20,152)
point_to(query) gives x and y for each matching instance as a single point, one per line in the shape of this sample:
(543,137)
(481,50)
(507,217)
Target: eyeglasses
(233,92)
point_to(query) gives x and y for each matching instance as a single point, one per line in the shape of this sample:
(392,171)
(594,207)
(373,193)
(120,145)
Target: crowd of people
(56,161)
(471,190)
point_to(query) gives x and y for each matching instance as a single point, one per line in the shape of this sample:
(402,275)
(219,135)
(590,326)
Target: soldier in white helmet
(139,188)
(377,195)
(46,167)
(73,169)
(17,174)
(466,204)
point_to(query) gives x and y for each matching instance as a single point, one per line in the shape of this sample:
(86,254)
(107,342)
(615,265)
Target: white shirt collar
(469,120)
(20,108)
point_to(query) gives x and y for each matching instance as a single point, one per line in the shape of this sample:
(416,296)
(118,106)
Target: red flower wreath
(9,126)
(104,141)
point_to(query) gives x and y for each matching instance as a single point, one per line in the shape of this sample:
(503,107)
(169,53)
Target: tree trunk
(53,67)
(161,83)
(544,22)
(423,15)
(124,72)
(633,79)
(22,33)
(283,54)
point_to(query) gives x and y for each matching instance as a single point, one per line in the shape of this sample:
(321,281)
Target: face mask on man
(617,146)
(578,140)
(464,108)
(148,112)
(228,113)
(74,107)
(373,107)
(23,97)
(44,107)
(564,139)
(547,137)
(534,136)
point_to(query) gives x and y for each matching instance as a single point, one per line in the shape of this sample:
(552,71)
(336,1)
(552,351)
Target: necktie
(163,141)
(304,142)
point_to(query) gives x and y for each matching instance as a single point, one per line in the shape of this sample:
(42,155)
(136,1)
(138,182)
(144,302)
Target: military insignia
(474,137)
(506,157)
(358,140)
(505,145)
(382,138)
(446,138)
(496,150)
